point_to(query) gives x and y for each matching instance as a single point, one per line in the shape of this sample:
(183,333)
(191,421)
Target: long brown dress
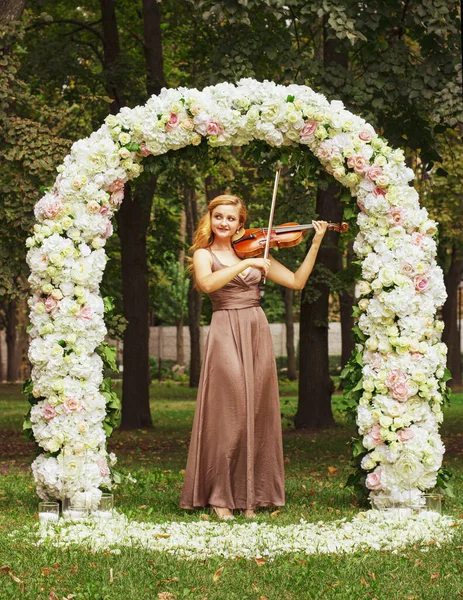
(235,458)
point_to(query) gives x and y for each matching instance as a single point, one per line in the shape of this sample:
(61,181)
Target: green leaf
(108,353)
(133,147)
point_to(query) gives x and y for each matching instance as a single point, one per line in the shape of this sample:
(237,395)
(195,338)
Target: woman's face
(225,221)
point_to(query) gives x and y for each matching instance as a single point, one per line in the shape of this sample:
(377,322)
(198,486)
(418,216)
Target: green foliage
(31,138)
(114,321)
(113,407)
(108,353)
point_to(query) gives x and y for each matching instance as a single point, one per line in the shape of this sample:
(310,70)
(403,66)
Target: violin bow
(272,212)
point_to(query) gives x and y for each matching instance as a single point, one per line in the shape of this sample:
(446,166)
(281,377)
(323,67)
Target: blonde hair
(204,236)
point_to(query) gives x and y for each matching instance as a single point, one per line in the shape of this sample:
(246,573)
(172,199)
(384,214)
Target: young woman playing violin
(235,459)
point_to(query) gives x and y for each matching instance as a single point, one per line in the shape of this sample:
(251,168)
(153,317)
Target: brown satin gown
(235,458)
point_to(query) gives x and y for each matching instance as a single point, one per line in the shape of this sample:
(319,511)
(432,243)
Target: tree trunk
(212,188)
(11,10)
(2,369)
(194,296)
(181,263)
(23,340)
(451,334)
(315,384)
(289,324)
(153,46)
(133,219)
(346,302)
(13,362)
(111,51)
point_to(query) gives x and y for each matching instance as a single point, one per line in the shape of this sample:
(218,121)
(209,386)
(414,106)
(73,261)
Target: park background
(64,68)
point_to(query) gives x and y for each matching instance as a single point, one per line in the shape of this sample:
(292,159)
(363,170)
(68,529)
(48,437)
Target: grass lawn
(316,464)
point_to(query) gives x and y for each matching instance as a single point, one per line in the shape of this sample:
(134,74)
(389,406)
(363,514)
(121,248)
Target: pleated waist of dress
(243,300)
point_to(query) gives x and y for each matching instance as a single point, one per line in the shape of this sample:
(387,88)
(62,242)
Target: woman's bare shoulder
(202,255)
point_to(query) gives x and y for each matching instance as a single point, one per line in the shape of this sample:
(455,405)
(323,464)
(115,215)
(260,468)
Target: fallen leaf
(143,506)
(255,588)
(205,517)
(74,569)
(162,535)
(111,577)
(301,561)
(263,598)
(418,563)
(55,566)
(364,582)
(275,513)
(45,571)
(260,561)
(434,575)
(217,575)
(53,596)
(373,576)
(332,470)
(171,579)
(166,596)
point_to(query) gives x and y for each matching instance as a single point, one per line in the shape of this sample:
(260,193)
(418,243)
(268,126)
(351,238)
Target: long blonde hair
(204,236)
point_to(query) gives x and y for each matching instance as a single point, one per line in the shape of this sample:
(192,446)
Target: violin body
(251,242)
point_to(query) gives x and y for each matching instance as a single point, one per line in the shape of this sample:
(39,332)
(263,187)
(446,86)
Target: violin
(251,242)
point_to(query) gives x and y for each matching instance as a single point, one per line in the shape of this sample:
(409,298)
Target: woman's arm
(296,281)
(209,282)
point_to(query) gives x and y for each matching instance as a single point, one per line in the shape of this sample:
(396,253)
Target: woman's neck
(221,248)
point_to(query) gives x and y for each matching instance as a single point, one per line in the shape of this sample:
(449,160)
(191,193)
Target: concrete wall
(163,340)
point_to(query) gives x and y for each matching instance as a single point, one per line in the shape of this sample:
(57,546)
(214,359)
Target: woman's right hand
(258,263)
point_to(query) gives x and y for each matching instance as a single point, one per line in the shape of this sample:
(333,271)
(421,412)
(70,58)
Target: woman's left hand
(320,229)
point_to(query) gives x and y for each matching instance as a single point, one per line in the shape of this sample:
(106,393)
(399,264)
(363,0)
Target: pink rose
(407,269)
(86,312)
(375,435)
(103,465)
(405,435)
(214,128)
(396,215)
(373,481)
(51,305)
(358,163)
(310,127)
(144,150)
(364,135)
(374,171)
(116,186)
(394,377)
(379,191)
(400,392)
(421,283)
(104,210)
(72,404)
(173,122)
(48,412)
(108,231)
(117,197)
(361,205)
(418,239)
(416,356)
(49,208)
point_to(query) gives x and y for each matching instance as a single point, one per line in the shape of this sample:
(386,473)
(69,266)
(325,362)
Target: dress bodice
(241,292)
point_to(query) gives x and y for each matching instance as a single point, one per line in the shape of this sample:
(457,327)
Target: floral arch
(397,377)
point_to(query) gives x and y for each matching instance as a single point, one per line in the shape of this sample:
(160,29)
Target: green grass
(156,458)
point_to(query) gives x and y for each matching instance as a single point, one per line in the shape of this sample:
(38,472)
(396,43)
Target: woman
(235,460)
